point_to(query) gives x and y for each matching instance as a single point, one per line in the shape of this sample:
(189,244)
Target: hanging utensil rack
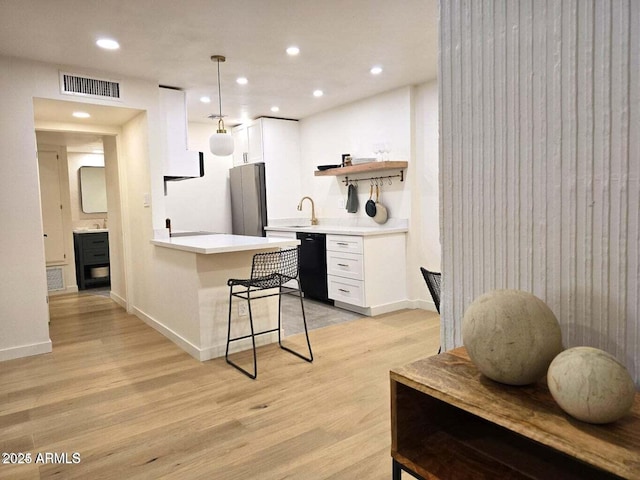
(348,180)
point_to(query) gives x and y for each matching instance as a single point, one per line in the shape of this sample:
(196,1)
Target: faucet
(314,220)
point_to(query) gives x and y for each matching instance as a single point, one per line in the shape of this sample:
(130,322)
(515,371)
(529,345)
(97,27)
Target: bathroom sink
(90,230)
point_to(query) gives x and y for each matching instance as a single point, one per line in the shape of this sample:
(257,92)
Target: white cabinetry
(367,274)
(277,234)
(178,161)
(275,142)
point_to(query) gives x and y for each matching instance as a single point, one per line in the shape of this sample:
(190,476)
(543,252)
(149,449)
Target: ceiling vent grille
(89,87)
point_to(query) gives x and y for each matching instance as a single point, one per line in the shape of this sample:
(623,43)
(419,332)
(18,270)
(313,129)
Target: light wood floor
(135,406)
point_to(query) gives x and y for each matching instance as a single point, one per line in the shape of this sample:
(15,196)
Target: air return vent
(55,279)
(89,87)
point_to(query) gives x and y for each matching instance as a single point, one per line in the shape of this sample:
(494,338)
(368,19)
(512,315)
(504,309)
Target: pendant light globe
(221,142)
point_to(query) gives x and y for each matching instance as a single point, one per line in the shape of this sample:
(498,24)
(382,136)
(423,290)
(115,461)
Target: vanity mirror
(93,190)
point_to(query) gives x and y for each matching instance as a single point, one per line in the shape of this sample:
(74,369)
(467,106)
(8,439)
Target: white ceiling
(170,42)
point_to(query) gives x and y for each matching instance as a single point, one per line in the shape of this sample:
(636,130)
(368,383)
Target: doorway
(92,142)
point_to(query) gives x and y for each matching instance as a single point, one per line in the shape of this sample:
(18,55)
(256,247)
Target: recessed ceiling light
(205,99)
(81,114)
(275,109)
(376,70)
(108,44)
(318,93)
(293,50)
(242,80)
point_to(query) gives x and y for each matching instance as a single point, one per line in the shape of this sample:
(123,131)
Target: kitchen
(510,152)
(406,116)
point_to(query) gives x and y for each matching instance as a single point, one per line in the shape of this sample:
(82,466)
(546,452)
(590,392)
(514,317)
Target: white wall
(424,227)
(116,192)
(407,119)
(202,203)
(540,115)
(23,286)
(23,290)
(354,128)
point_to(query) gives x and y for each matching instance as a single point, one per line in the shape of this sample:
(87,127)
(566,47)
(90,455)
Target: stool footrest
(255,334)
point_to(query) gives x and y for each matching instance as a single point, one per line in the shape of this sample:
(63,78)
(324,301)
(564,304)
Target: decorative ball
(591,385)
(511,336)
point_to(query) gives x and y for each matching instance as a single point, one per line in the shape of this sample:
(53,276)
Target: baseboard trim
(180,341)
(202,354)
(118,299)
(423,304)
(25,351)
(389,307)
(65,291)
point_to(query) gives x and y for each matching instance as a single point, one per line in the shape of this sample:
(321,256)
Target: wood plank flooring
(135,406)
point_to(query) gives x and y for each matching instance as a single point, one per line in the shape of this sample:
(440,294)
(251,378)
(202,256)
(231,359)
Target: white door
(51,207)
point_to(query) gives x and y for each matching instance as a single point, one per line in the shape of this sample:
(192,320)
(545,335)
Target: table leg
(397,471)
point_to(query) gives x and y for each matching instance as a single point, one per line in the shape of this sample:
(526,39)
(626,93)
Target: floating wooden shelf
(362,168)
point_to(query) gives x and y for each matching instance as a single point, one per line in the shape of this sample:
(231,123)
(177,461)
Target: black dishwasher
(313,266)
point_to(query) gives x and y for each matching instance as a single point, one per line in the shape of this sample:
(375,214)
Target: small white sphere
(511,336)
(591,385)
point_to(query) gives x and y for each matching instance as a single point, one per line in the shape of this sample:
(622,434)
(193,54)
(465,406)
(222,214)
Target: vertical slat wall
(540,163)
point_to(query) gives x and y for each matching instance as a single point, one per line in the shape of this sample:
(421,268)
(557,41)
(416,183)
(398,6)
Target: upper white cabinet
(275,142)
(178,161)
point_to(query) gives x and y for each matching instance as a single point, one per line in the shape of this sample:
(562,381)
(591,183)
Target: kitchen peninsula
(196,299)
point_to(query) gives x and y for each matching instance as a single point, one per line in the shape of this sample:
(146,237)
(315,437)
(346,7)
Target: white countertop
(341,228)
(223,243)
(90,230)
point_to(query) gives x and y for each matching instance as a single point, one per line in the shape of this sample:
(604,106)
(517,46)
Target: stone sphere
(511,336)
(591,385)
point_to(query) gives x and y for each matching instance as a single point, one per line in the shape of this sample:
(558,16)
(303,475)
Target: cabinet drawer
(346,290)
(344,243)
(279,234)
(95,241)
(95,257)
(343,264)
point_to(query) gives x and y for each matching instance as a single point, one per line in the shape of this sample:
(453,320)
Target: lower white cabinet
(346,290)
(367,273)
(343,264)
(280,234)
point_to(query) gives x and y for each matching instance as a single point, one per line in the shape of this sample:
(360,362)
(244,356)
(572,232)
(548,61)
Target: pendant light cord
(219,92)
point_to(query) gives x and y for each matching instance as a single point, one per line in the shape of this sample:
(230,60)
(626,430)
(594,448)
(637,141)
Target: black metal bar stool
(433,280)
(269,270)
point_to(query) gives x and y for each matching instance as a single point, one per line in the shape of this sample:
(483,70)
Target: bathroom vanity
(91,249)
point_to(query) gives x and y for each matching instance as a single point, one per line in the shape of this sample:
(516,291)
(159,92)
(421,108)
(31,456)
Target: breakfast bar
(196,295)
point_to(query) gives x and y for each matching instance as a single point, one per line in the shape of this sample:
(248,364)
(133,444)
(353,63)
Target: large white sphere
(511,336)
(591,385)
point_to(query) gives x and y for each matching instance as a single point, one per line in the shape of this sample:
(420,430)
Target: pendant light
(221,142)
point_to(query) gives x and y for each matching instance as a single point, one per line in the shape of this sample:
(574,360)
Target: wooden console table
(448,422)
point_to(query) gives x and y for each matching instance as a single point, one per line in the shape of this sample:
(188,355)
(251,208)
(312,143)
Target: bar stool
(269,270)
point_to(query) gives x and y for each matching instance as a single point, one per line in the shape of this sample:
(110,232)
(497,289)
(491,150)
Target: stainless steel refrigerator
(248,199)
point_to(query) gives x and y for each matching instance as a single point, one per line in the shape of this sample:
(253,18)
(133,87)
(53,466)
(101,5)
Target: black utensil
(370,207)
